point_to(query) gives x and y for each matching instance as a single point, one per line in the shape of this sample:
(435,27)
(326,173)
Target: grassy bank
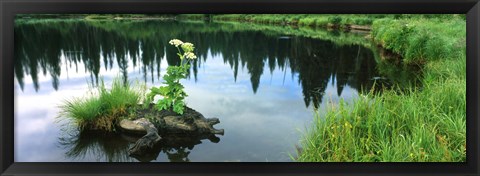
(418,125)
(338,21)
(94,16)
(127,16)
(335,21)
(101,109)
(338,38)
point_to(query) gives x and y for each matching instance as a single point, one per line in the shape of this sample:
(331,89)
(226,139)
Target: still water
(262,83)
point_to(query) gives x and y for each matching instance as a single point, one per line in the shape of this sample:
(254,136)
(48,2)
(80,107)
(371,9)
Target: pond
(263,83)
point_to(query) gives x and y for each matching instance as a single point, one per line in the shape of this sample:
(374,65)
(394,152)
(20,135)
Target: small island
(127,109)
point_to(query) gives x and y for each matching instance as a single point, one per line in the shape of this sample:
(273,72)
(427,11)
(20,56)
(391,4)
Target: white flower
(190,55)
(175,42)
(187,44)
(187,47)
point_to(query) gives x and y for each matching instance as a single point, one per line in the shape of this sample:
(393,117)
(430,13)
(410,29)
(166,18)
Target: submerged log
(146,142)
(359,27)
(166,123)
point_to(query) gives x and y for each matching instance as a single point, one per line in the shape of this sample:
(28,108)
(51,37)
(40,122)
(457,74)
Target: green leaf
(150,96)
(153,89)
(163,91)
(178,107)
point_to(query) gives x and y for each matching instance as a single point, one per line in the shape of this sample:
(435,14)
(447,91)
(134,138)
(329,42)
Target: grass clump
(103,108)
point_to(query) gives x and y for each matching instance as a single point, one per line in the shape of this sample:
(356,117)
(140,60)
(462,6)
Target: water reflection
(39,47)
(106,147)
(113,147)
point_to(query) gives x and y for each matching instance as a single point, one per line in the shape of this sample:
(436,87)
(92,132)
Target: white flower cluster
(186,47)
(187,44)
(190,55)
(175,42)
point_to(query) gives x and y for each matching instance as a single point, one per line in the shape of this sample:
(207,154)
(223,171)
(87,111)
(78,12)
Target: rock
(182,125)
(167,124)
(179,124)
(134,127)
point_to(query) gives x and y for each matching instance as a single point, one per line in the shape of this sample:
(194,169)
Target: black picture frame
(9,8)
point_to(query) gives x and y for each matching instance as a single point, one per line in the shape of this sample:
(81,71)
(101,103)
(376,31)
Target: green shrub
(421,40)
(335,20)
(308,21)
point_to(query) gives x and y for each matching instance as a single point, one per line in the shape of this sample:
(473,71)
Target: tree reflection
(105,147)
(40,47)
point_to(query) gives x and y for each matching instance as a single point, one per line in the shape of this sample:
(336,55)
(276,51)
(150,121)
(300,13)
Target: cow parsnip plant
(173,92)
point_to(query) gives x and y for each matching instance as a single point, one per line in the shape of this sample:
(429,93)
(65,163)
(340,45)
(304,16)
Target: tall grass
(396,126)
(427,124)
(102,109)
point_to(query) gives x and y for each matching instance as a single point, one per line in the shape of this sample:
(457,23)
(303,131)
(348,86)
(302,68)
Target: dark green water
(262,83)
